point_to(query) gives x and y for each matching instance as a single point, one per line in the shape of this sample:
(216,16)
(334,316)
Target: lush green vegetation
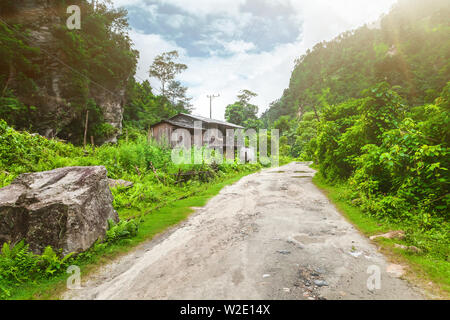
(143,108)
(155,202)
(390,162)
(396,160)
(242,112)
(371,109)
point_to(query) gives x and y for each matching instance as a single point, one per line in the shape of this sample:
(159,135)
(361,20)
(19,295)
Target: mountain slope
(407,48)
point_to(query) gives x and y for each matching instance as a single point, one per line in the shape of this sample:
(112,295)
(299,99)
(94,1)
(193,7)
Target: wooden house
(162,131)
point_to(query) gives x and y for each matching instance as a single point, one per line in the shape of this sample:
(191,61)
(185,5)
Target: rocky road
(272,235)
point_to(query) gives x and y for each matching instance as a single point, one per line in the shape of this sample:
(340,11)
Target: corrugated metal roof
(208,120)
(200,118)
(178,124)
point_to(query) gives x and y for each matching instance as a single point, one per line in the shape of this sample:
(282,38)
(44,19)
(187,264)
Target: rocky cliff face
(52,97)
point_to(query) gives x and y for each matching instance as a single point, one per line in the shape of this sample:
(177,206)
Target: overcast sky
(231,45)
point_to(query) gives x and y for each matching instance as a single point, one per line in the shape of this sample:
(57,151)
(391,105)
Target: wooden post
(92,143)
(316,113)
(85,129)
(149,135)
(11,72)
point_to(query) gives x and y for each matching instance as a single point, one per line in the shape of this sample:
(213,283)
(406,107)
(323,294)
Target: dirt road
(272,235)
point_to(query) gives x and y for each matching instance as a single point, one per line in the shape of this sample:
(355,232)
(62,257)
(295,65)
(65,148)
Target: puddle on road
(301,172)
(301,177)
(277,171)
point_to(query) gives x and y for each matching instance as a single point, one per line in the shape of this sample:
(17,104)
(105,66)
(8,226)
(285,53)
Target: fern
(121,230)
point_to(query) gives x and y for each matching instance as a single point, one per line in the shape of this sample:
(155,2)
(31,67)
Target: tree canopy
(242,112)
(164,68)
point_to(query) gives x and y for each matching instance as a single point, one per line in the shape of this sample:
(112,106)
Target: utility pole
(211,97)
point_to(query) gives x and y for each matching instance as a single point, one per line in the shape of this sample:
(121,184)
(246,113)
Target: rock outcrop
(53,96)
(66,208)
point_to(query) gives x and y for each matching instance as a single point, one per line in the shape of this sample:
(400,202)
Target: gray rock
(320,283)
(397,234)
(120,183)
(66,208)
(414,249)
(410,248)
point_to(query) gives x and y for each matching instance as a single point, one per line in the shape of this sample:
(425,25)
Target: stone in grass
(413,249)
(66,208)
(120,183)
(398,234)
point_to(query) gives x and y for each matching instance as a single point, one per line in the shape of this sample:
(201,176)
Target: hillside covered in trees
(408,48)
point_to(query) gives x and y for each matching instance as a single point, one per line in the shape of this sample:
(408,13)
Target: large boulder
(66,208)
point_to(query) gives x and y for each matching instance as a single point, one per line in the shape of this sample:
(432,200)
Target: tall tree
(176,93)
(242,112)
(165,69)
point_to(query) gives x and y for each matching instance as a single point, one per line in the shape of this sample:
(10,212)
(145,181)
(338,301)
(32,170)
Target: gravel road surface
(272,235)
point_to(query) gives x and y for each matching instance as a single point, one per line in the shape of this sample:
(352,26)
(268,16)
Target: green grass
(425,270)
(151,224)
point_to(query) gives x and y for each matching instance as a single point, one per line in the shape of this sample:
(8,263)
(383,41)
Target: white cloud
(177,21)
(204,7)
(266,73)
(238,46)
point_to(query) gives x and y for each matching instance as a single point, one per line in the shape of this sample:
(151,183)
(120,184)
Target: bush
(121,230)
(19,265)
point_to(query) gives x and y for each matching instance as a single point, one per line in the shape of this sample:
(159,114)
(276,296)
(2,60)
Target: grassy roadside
(423,270)
(150,225)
